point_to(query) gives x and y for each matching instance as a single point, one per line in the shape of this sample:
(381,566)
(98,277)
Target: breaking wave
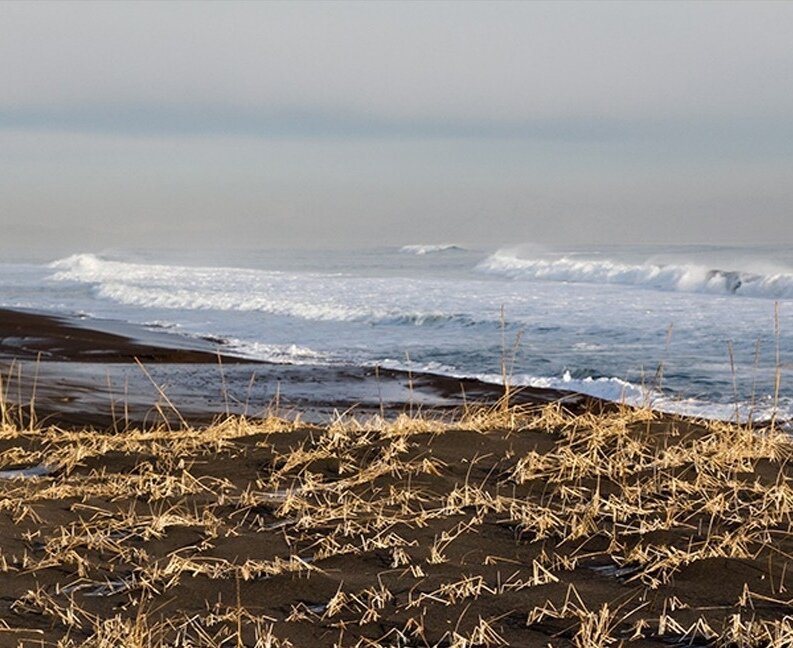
(306,296)
(675,277)
(430,249)
(278,353)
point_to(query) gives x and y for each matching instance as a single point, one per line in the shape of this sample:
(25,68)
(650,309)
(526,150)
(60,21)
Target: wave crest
(674,277)
(430,249)
(323,298)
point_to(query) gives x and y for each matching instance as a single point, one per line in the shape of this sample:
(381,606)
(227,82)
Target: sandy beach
(429,515)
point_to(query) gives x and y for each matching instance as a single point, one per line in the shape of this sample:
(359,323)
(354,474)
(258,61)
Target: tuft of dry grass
(498,526)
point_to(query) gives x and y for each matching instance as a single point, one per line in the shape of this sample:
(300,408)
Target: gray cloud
(347,123)
(440,62)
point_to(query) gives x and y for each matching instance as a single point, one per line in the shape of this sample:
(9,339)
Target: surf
(687,277)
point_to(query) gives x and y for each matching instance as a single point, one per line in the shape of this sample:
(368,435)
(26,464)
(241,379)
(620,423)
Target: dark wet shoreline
(101,373)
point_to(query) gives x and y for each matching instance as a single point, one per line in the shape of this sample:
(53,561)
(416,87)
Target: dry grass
(504,526)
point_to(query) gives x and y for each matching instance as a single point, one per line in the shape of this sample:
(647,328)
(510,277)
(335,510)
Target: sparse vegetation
(515,526)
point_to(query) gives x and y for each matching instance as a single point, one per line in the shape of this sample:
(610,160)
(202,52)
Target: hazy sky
(324,124)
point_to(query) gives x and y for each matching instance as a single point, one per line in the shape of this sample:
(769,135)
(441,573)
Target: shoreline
(99,373)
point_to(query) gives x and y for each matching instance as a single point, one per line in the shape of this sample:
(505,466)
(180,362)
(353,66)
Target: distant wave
(430,249)
(313,297)
(677,277)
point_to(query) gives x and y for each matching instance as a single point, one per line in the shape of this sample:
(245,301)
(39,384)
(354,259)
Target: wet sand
(28,335)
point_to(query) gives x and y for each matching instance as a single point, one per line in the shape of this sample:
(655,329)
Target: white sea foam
(278,353)
(677,277)
(308,296)
(430,248)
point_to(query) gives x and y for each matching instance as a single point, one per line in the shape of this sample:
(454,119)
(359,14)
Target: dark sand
(30,336)
(533,527)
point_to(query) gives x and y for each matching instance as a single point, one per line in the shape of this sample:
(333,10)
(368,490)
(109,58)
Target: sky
(242,124)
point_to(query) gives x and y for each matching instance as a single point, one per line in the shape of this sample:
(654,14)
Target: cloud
(354,122)
(391,67)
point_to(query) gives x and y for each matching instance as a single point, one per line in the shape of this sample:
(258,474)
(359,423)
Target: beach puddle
(109,588)
(26,473)
(615,571)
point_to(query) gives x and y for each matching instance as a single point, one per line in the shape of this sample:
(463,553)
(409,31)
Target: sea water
(699,330)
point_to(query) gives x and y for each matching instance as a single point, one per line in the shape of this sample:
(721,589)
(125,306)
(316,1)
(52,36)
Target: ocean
(688,329)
